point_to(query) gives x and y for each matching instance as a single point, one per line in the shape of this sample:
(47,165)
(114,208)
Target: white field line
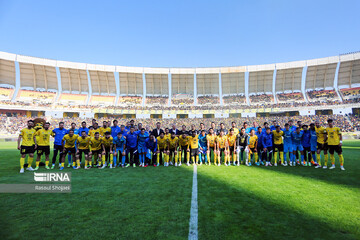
(193,224)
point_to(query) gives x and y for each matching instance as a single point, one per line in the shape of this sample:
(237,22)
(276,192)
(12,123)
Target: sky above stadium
(179,33)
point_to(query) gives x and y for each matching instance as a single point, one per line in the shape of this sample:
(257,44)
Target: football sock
(256,157)
(326,159)
(103,159)
(115,160)
(22,162)
(37,163)
(30,160)
(314,157)
(332,158)
(86,163)
(318,159)
(158,158)
(47,163)
(62,164)
(341,159)
(275,157)
(112,159)
(78,162)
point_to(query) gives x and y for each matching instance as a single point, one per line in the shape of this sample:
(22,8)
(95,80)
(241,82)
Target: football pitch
(155,202)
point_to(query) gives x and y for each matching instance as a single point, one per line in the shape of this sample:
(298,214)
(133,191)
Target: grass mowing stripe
(193,225)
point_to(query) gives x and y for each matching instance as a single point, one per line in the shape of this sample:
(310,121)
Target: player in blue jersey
(305,141)
(151,149)
(287,144)
(115,129)
(83,128)
(119,149)
(141,141)
(203,147)
(313,144)
(291,126)
(267,143)
(58,134)
(266,125)
(260,147)
(131,145)
(273,127)
(297,146)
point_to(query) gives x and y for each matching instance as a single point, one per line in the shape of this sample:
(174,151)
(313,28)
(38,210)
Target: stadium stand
(6,93)
(288,97)
(35,96)
(157,100)
(234,99)
(318,95)
(54,85)
(129,100)
(261,98)
(99,100)
(67,98)
(350,93)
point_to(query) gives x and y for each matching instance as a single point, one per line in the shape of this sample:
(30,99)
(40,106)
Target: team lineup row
(105,145)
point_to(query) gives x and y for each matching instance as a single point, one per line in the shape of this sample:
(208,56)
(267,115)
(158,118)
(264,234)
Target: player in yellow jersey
(43,145)
(68,142)
(26,145)
(167,133)
(95,146)
(162,150)
(193,148)
(104,129)
(334,140)
(222,145)
(236,130)
(94,130)
(173,146)
(321,144)
(252,148)
(278,145)
(107,146)
(231,138)
(211,145)
(83,144)
(183,147)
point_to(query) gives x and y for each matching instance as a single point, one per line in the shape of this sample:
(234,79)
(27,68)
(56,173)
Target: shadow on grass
(350,177)
(228,211)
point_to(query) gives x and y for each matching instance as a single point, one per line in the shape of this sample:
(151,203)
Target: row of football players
(142,145)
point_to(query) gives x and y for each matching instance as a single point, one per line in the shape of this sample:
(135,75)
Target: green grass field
(154,203)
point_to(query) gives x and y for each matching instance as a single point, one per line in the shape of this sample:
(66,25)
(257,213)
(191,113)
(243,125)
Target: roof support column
(195,89)
(144,88)
(247,86)
(274,84)
(59,92)
(90,88)
(303,82)
(336,78)
(17,81)
(117,84)
(220,88)
(170,87)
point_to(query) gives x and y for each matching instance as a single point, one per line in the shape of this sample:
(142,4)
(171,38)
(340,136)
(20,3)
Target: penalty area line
(193,224)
